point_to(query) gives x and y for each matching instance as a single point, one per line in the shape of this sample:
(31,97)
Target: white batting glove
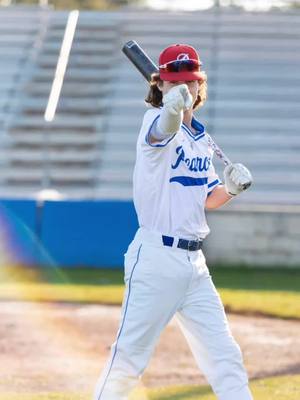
(178,99)
(237,178)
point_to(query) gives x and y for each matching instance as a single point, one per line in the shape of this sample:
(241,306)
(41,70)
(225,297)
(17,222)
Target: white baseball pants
(161,282)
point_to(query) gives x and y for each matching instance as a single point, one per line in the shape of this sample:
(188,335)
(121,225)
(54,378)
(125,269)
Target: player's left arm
(237,179)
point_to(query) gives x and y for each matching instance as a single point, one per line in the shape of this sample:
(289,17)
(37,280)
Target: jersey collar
(199,128)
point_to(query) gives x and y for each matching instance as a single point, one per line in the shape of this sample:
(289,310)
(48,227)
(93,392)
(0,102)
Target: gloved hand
(237,178)
(178,99)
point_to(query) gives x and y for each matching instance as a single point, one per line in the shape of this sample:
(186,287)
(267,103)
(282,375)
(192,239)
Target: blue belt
(191,245)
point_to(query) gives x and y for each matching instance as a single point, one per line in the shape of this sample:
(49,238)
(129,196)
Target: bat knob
(246,185)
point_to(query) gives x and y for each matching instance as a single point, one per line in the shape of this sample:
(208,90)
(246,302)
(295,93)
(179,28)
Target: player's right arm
(175,101)
(237,179)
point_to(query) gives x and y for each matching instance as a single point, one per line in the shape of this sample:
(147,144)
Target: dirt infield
(62,347)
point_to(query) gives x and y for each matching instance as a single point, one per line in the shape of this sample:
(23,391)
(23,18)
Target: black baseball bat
(140,59)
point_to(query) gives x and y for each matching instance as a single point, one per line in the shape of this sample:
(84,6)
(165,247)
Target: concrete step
(85,33)
(32,123)
(243,29)
(75,74)
(120,139)
(11,28)
(108,192)
(242,53)
(154,42)
(67,106)
(73,89)
(243,112)
(242,93)
(55,139)
(256,141)
(95,61)
(74,174)
(249,124)
(271,196)
(265,158)
(126,124)
(242,70)
(80,48)
(277,179)
(118,154)
(109,175)
(60,156)
(31,190)
(7,85)
(20,39)
(41,102)
(10,73)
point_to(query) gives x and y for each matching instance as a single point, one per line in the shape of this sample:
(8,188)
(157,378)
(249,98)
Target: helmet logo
(183,57)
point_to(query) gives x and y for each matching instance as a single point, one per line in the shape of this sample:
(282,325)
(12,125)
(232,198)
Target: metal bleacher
(253,109)
(16,42)
(63,154)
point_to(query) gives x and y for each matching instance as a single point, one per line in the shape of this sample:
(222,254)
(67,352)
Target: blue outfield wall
(69,233)
(88,233)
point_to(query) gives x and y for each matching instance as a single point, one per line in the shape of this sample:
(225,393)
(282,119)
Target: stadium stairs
(63,154)
(252,61)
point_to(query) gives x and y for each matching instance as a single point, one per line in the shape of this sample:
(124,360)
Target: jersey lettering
(195,164)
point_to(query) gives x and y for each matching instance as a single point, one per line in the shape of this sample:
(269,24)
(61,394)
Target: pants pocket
(131,258)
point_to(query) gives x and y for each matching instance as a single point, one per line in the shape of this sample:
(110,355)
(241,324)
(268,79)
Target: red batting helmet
(179,62)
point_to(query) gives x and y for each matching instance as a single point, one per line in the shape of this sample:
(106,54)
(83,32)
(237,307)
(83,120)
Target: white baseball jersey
(172,180)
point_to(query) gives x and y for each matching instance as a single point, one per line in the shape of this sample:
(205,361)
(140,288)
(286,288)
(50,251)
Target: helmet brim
(181,76)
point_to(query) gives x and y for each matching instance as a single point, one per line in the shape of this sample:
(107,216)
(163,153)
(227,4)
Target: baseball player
(165,269)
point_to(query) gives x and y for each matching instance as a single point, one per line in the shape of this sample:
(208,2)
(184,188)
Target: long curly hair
(154,96)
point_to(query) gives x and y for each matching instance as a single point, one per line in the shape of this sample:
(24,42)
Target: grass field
(281,388)
(255,291)
(260,291)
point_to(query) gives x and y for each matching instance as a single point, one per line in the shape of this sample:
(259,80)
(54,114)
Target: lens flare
(23,257)
(34,332)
